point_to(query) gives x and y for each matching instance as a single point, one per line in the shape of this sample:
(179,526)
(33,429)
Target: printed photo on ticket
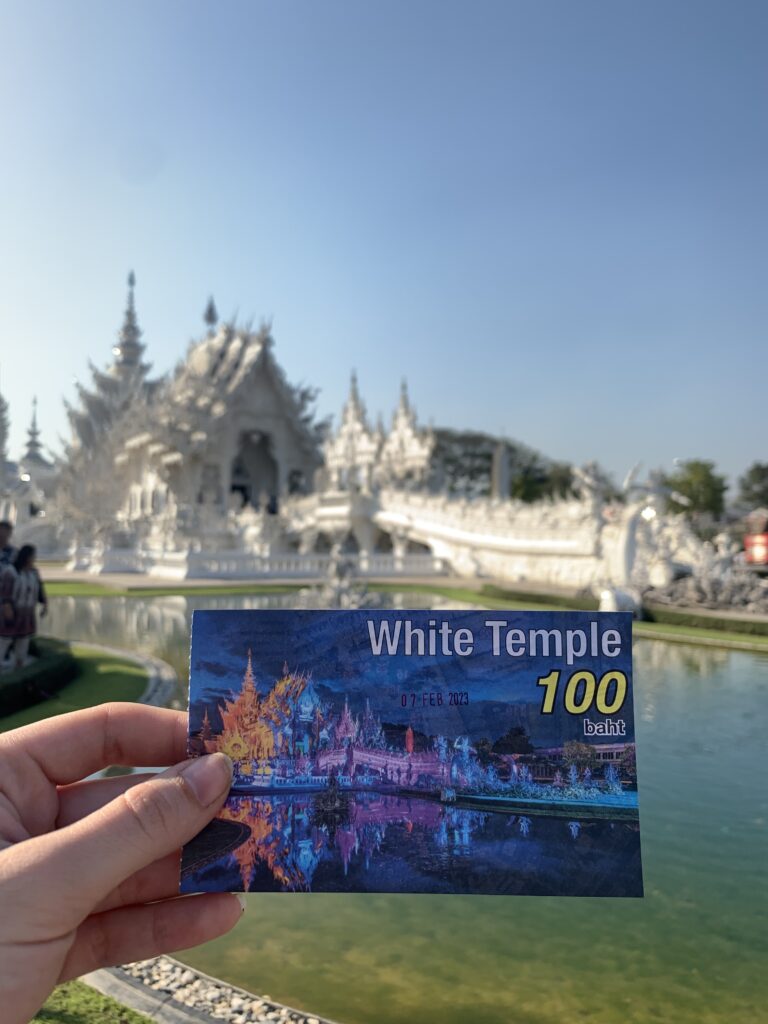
(485,752)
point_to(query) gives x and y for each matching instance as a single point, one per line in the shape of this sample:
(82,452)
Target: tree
(484,751)
(559,482)
(628,763)
(579,755)
(696,488)
(515,741)
(534,479)
(753,486)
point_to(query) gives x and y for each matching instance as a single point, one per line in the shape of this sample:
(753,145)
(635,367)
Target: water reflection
(381,842)
(657,661)
(678,658)
(160,625)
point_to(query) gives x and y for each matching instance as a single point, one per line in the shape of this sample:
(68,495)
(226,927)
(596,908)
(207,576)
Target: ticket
(484,752)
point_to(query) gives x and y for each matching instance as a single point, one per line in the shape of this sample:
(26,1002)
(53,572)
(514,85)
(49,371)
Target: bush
(577,602)
(55,667)
(710,620)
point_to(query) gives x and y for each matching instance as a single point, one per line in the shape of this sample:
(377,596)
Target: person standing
(8,577)
(21,590)
(7,550)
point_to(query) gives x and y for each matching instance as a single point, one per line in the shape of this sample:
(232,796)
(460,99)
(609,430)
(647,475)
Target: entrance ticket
(486,752)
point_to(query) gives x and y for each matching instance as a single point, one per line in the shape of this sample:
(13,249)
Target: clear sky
(551,216)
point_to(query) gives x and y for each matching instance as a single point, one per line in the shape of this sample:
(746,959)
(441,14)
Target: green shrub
(578,602)
(690,619)
(54,667)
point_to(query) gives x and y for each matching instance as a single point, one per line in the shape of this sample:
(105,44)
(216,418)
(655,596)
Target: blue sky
(550,216)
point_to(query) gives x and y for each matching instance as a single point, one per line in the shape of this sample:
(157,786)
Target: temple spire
(211,315)
(34,447)
(355,409)
(129,347)
(249,682)
(206,731)
(354,393)
(405,402)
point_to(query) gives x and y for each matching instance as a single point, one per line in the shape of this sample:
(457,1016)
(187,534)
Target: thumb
(90,858)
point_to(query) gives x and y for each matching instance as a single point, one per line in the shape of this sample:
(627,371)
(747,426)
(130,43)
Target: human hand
(44,610)
(89,870)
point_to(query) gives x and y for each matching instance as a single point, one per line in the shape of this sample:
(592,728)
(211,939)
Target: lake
(692,952)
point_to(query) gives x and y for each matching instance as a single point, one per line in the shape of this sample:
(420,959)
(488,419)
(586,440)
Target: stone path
(169,992)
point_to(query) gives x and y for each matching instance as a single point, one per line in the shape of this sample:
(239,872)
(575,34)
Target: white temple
(220,469)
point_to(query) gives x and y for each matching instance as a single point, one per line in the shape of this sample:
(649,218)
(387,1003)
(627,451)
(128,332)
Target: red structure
(756,540)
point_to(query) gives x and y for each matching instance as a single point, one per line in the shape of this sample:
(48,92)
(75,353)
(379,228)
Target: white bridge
(568,543)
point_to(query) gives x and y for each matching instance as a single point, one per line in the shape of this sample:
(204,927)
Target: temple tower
(35,470)
(351,453)
(406,453)
(113,389)
(34,447)
(129,348)
(211,317)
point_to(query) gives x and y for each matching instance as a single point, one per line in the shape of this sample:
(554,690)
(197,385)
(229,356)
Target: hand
(89,871)
(44,610)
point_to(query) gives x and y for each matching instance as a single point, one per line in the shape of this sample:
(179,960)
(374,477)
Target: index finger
(70,747)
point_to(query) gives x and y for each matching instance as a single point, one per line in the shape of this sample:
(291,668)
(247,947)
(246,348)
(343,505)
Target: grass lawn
(463,594)
(78,588)
(76,1003)
(227,589)
(103,677)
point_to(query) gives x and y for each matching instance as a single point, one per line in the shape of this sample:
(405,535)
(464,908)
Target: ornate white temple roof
(216,370)
(356,454)
(218,365)
(407,450)
(114,389)
(354,446)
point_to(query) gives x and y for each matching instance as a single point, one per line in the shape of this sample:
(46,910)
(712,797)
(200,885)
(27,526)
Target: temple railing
(233,565)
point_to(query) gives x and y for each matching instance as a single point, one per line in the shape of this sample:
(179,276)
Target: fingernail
(241,900)
(208,777)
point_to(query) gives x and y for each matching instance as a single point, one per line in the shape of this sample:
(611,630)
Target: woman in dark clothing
(21,590)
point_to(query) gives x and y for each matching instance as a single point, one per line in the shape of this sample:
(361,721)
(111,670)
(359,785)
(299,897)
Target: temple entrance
(382,544)
(254,471)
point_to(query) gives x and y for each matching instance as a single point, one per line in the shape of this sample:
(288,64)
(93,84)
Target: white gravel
(221,1002)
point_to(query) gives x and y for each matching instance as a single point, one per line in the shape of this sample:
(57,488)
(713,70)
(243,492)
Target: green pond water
(694,950)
